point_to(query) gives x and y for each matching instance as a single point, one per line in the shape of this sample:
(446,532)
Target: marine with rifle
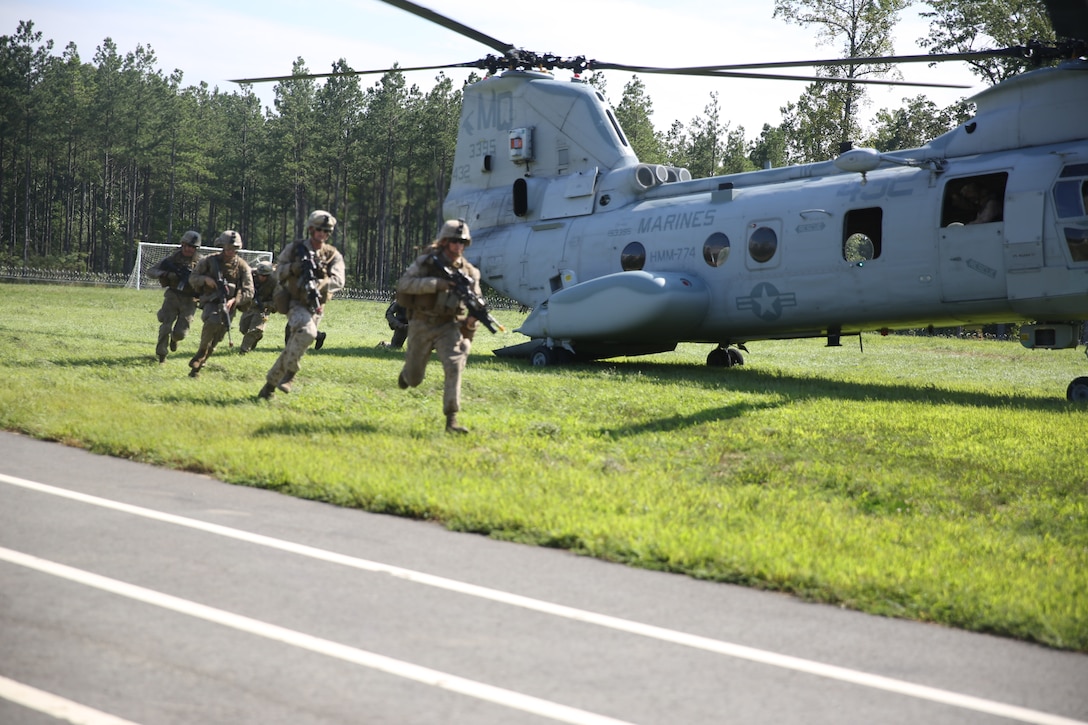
(441,291)
(310,271)
(178,297)
(255,315)
(225,283)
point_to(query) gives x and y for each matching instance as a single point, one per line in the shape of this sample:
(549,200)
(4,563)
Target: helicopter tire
(542,357)
(1077,392)
(718,358)
(724,357)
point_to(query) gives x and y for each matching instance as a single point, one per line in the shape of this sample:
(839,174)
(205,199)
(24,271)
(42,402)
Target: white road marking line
(55,706)
(842,674)
(388,665)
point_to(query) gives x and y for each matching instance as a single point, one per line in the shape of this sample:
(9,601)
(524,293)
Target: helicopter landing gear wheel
(542,357)
(1077,392)
(724,357)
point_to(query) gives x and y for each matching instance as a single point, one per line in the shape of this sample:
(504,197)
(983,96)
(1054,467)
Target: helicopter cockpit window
(633,257)
(716,249)
(762,244)
(862,234)
(974,200)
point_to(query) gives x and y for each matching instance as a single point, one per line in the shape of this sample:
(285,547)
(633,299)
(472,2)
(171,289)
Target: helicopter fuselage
(608,250)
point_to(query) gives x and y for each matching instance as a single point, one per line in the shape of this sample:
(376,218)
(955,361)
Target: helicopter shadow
(790,388)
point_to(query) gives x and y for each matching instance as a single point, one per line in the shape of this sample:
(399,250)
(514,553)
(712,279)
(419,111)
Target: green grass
(941,480)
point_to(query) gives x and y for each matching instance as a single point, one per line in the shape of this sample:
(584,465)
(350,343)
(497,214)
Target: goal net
(150,253)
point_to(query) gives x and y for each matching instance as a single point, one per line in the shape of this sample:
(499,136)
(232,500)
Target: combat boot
(452,426)
(266,392)
(162,359)
(320,341)
(173,345)
(285,384)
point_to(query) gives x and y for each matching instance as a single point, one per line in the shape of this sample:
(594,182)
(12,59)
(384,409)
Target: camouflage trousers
(443,337)
(175,317)
(251,325)
(213,333)
(303,331)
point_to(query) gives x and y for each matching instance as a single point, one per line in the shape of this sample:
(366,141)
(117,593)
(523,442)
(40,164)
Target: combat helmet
(321,220)
(229,238)
(455,229)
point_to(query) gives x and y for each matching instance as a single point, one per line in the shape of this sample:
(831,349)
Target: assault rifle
(224,294)
(463,287)
(182,273)
(307,278)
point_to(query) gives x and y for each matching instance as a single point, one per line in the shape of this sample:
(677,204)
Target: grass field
(935,479)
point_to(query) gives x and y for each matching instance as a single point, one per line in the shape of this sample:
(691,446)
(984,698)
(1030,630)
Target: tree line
(98,156)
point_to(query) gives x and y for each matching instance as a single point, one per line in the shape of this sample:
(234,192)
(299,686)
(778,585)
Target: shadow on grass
(679,422)
(314,429)
(793,387)
(375,352)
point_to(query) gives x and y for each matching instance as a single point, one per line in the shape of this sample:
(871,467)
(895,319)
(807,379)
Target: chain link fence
(35,275)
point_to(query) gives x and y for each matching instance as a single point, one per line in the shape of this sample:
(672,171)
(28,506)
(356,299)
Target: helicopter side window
(862,234)
(1077,239)
(974,200)
(633,257)
(1070,198)
(716,249)
(1067,199)
(1071,203)
(762,244)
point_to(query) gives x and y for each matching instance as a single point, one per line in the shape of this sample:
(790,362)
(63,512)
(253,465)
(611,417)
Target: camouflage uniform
(302,323)
(179,298)
(397,317)
(438,321)
(255,315)
(239,282)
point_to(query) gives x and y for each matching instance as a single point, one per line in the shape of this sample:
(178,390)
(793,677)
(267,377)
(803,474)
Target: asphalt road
(134,594)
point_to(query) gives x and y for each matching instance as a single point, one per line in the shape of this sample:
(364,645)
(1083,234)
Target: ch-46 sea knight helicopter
(619,257)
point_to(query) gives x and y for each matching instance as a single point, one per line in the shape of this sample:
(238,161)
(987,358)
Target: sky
(215,42)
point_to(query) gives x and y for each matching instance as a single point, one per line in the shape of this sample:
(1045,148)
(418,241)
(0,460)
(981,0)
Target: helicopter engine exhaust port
(647,176)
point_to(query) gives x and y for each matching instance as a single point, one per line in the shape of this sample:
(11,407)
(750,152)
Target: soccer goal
(150,253)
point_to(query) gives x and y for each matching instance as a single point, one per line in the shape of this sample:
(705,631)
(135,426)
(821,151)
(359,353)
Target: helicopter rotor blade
(1068,17)
(721,72)
(338,74)
(450,24)
(1018,51)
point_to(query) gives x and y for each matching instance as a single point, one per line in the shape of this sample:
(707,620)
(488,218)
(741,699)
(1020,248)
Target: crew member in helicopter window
(980,202)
